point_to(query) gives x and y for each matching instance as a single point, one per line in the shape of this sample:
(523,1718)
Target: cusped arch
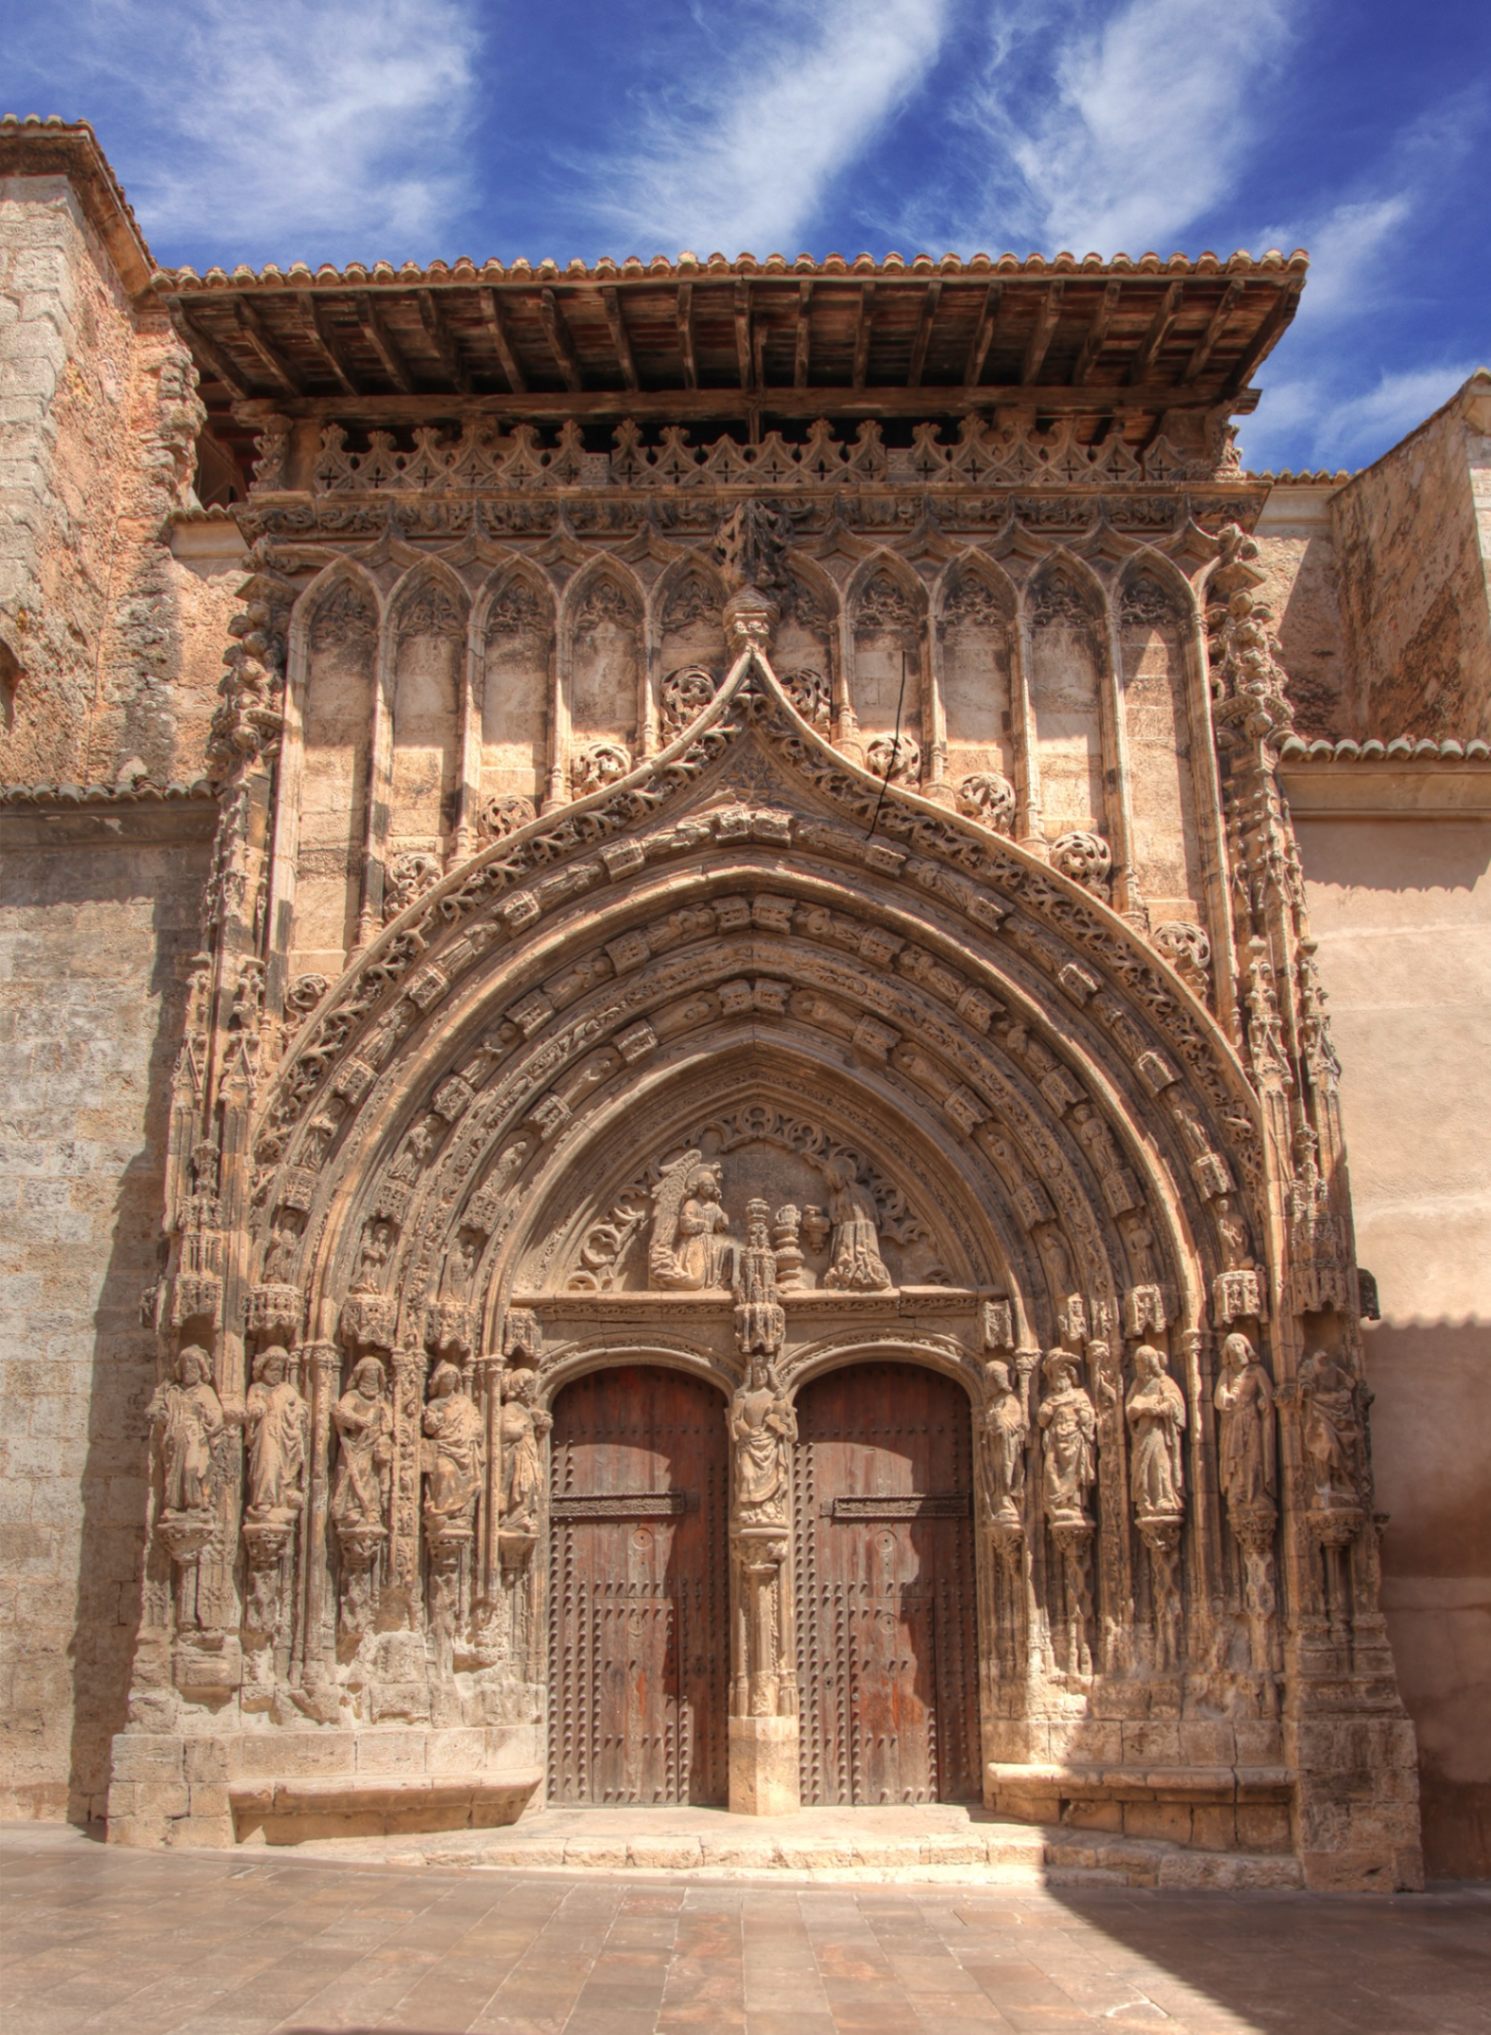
(1064,570)
(514,577)
(973,569)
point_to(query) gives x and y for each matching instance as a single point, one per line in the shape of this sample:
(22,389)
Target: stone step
(907,1846)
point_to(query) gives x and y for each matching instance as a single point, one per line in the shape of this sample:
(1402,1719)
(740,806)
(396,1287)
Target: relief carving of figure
(763,1427)
(691,1249)
(522,1429)
(1332,1429)
(364,1425)
(277,1420)
(455,1449)
(857,1265)
(189,1422)
(1156,1413)
(1068,1423)
(1245,1442)
(1002,1437)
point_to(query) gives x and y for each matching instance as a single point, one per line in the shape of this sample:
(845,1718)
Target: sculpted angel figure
(1332,1428)
(188,1418)
(1068,1423)
(1156,1413)
(1002,1435)
(691,1249)
(277,1420)
(763,1427)
(857,1266)
(456,1450)
(522,1427)
(363,1420)
(1245,1442)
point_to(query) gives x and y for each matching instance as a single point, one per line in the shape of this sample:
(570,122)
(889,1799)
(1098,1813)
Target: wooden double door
(639,1610)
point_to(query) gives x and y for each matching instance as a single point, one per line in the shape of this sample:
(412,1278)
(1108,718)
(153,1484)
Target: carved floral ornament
(503,1106)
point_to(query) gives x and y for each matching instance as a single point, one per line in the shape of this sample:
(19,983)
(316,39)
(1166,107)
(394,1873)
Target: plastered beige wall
(96,924)
(1402,909)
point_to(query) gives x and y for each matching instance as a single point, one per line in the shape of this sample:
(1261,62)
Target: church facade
(736,1155)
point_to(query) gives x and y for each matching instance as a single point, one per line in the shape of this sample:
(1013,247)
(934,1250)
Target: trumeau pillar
(763,1429)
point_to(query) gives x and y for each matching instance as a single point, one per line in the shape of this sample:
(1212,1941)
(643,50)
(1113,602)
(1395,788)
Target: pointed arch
(1065,634)
(885,607)
(603,672)
(806,648)
(686,641)
(974,669)
(514,635)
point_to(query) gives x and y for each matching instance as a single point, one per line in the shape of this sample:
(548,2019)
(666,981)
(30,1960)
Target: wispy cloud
(311,129)
(1115,128)
(800,89)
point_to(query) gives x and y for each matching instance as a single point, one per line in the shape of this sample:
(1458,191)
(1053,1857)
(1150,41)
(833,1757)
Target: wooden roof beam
(221,364)
(560,344)
(862,334)
(1154,338)
(931,297)
(389,358)
(1277,321)
(435,331)
(326,345)
(1201,352)
(620,339)
(684,314)
(983,337)
(268,355)
(1097,332)
(491,310)
(743,333)
(1039,343)
(802,353)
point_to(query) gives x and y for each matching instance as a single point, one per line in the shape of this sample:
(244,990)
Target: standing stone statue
(763,1427)
(1068,1423)
(456,1451)
(521,1429)
(1156,1413)
(691,1249)
(1002,1436)
(1332,1430)
(364,1423)
(277,1421)
(1245,1441)
(188,1419)
(857,1266)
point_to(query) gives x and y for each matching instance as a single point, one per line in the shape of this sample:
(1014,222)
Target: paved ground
(208,1943)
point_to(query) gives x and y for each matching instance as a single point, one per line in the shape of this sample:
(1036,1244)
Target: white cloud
(310,129)
(795,97)
(1115,136)
(1350,430)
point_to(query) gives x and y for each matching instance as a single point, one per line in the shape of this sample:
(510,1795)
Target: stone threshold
(923,1845)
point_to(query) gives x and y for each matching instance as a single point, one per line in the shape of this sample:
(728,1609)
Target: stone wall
(98,914)
(110,659)
(1413,544)
(1401,906)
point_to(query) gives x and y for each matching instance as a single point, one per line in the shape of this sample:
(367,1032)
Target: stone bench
(290,1811)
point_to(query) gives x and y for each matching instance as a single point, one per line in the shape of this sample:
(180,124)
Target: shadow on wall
(1431,1439)
(1404,853)
(115,1473)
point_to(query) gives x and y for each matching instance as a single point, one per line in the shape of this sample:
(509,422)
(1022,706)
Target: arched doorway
(638,1590)
(887,1642)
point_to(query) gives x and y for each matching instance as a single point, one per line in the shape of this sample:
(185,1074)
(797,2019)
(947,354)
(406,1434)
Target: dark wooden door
(639,1631)
(886,1601)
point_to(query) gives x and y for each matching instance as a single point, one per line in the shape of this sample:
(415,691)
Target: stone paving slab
(121,1942)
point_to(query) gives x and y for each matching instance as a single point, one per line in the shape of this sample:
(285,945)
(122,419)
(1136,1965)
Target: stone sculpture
(521,1429)
(455,1453)
(763,1427)
(188,1420)
(1156,1414)
(1003,1433)
(691,1248)
(1068,1423)
(1331,1431)
(1246,1447)
(277,1425)
(364,1423)
(857,1265)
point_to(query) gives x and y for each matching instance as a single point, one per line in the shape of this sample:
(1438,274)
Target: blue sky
(259,130)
